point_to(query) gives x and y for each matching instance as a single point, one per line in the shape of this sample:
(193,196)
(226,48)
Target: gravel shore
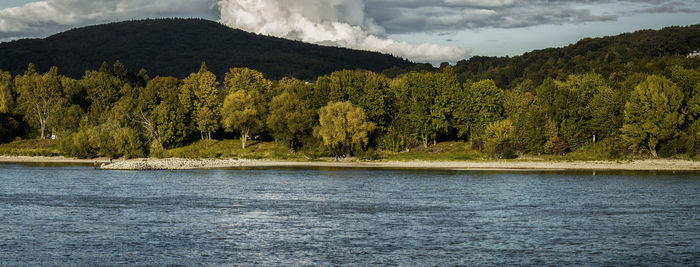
(184,164)
(523,165)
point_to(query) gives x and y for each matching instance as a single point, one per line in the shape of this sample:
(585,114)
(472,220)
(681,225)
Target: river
(75,215)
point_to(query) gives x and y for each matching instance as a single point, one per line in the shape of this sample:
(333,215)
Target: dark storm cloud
(398,16)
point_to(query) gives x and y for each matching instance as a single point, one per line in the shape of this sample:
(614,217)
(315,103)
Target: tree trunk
(43,128)
(244,138)
(425,140)
(291,148)
(209,135)
(652,149)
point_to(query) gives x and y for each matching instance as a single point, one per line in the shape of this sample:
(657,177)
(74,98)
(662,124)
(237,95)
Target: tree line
(118,113)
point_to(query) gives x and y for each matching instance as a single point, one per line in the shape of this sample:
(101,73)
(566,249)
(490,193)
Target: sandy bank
(28,159)
(184,164)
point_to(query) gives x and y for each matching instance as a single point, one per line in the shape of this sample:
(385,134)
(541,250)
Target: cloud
(362,24)
(336,22)
(41,18)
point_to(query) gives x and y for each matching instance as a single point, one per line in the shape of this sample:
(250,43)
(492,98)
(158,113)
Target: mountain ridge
(176,47)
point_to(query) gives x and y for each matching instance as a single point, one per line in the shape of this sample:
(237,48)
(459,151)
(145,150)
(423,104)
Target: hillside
(176,47)
(649,51)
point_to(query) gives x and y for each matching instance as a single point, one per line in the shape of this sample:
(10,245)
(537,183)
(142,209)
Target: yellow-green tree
(497,137)
(652,114)
(40,96)
(243,111)
(343,128)
(247,80)
(198,93)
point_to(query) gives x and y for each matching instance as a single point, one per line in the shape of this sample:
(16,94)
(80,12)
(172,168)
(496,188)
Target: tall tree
(199,93)
(243,111)
(343,128)
(6,95)
(652,114)
(420,113)
(365,89)
(247,80)
(161,115)
(40,96)
(481,104)
(102,91)
(289,118)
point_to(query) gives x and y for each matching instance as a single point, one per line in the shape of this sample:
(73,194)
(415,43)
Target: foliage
(160,114)
(289,119)
(243,111)
(102,90)
(652,114)
(108,140)
(422,101)
(40,96)
(484,104)
(6,94)
(343,127)
(31,147)
(364,89)
(231,148)
(584,110)
(497,138)
(199,93)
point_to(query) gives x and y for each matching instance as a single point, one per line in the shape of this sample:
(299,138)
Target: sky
(431,31)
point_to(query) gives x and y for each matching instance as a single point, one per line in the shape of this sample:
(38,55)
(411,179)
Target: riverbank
(514,165)
(185,164)
(57,159)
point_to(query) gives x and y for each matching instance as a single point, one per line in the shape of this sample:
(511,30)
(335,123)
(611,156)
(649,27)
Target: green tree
(243,111)
(289,119)
(652,114)
(102,92)
(365,89)
(343,128)
(497,137)
(422,111)
(40,96)
(527,114)
(481,104)
(6,95)
(248,80)
(605,113)
(161,115)
(199,93)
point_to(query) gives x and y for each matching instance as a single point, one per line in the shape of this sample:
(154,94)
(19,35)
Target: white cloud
(337,22)
(361,24)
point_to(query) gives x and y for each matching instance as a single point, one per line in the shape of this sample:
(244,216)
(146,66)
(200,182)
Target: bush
(108,140)
(369,154)
(509,154)
(78,145)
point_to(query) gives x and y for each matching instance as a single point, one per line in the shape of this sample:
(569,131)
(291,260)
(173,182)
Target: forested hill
(176,47)
(647,51)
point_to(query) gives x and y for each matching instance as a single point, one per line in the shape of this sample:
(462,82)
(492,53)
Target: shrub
(107,140)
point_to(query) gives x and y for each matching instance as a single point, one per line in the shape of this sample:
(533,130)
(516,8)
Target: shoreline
(515,165)
(187,164)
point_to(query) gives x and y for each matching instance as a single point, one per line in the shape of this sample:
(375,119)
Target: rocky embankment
(172,164)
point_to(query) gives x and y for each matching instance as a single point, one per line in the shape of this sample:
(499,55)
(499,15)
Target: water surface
(75,215)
